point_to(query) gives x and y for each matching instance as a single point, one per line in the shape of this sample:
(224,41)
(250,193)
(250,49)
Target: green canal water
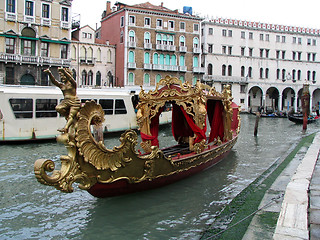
(29,210)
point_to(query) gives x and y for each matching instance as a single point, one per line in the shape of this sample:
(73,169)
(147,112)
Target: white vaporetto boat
(28,112)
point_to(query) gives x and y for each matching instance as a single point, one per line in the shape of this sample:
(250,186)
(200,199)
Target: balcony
(65,25)
(159,67)
(171,48)
(198,70)
(147,45)
(11,17)
(182,68)
(147,66)
(183,49)
(45,22)
(87,61)
(196,50)
(24,59)
(132,44)
(225,79)
(160,47)
(29,19)
(132,65)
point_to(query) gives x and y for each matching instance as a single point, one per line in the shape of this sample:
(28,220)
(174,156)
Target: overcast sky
(299,13)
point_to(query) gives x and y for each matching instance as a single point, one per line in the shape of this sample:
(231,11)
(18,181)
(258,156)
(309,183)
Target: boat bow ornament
(123,169)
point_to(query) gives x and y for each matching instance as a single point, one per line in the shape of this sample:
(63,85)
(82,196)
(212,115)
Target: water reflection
(178,211)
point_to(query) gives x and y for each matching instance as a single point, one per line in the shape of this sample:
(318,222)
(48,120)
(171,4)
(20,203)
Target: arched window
(83,54)
(158,78)
(182,61)
(90,54)
(131,57)
(99,55)
(209,69)
(159,38)
(195,61)
(299,74)
(283,74)
(278,73)
(28,45)
(293,74)
(147,57)
(194,80)
(250,72)
(161,59)
(98,78)
(146,79)
(167,59)
(314,76)
(181,79)
(182,41)
(164,40)
(27,79)
(224,67)
(73,52)
(90,78)
(267,73)
(109,56)
(243,70)
(308,75)
(173,60)
(147,37)
(132,36)
(170,40)
(131,78)
(261,72)
(155,58)
(229,70)
(84,77)
(195,42)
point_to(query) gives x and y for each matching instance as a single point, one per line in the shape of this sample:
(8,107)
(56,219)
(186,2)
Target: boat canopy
(191,106)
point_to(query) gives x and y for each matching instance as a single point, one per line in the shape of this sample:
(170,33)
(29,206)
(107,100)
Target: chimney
(108,10)
(161,4)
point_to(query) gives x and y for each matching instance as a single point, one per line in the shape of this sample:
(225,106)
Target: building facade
(34,35)
(266,64)
(92,61)
(152,42)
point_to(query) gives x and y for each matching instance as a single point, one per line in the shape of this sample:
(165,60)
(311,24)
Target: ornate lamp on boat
(104,172)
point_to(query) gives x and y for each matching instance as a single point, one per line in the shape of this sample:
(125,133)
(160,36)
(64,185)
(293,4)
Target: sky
(297,13)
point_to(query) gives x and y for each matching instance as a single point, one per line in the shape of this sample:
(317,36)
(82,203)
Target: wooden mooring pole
(305,103)
(256,126)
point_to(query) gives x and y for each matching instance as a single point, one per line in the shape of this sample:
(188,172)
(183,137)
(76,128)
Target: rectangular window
(122,21)
(65,14)
(64,51)
(147,22)
(196,27)
(250,52)
(277,38)
(224,32)
(210,31)
(242,88)
(120,107)
(277,54)
(261,37)
(230,33)
(267,53)
(224,49)
(45,10)
(210,47)
(250,35)
(171,25)
(132,20)
(294,40)
(46,108)
(11,6)
(283,54)
(107,106)
(29,8)
(314,42)
(182,26)
(261,52)
(293,55)
(159,23)
(299,41)
(243,35)
(283,39)
(242,51)
(314,57)
(10,45)
(21,107)
(267,37)
(44,49)
(9,75)
(299,56)
(230,50)
(28,47)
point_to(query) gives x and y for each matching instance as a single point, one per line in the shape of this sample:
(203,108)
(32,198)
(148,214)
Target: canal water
(29,210)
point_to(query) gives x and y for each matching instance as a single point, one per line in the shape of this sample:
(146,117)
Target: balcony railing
(147,66)
(159,67)
(87,61)
(132,65)
(132,44)
(183,49)
(198,70)
(228,79)
(196,50)
(182,68)
(24,59)
(147,45)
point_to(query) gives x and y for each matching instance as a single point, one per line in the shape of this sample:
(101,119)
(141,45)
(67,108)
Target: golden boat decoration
(125,169)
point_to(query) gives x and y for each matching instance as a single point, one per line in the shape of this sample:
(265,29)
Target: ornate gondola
(299,118)
(124,169)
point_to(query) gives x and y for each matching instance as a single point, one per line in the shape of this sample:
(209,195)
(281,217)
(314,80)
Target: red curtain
(154,129)
(184,126)
(215,109)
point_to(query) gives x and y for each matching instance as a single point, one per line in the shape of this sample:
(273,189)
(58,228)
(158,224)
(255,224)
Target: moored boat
(298,118)
(124,169)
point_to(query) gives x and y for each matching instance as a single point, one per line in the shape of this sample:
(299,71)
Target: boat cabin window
(107,106)
(120,107)
(22,107)
(46,108)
